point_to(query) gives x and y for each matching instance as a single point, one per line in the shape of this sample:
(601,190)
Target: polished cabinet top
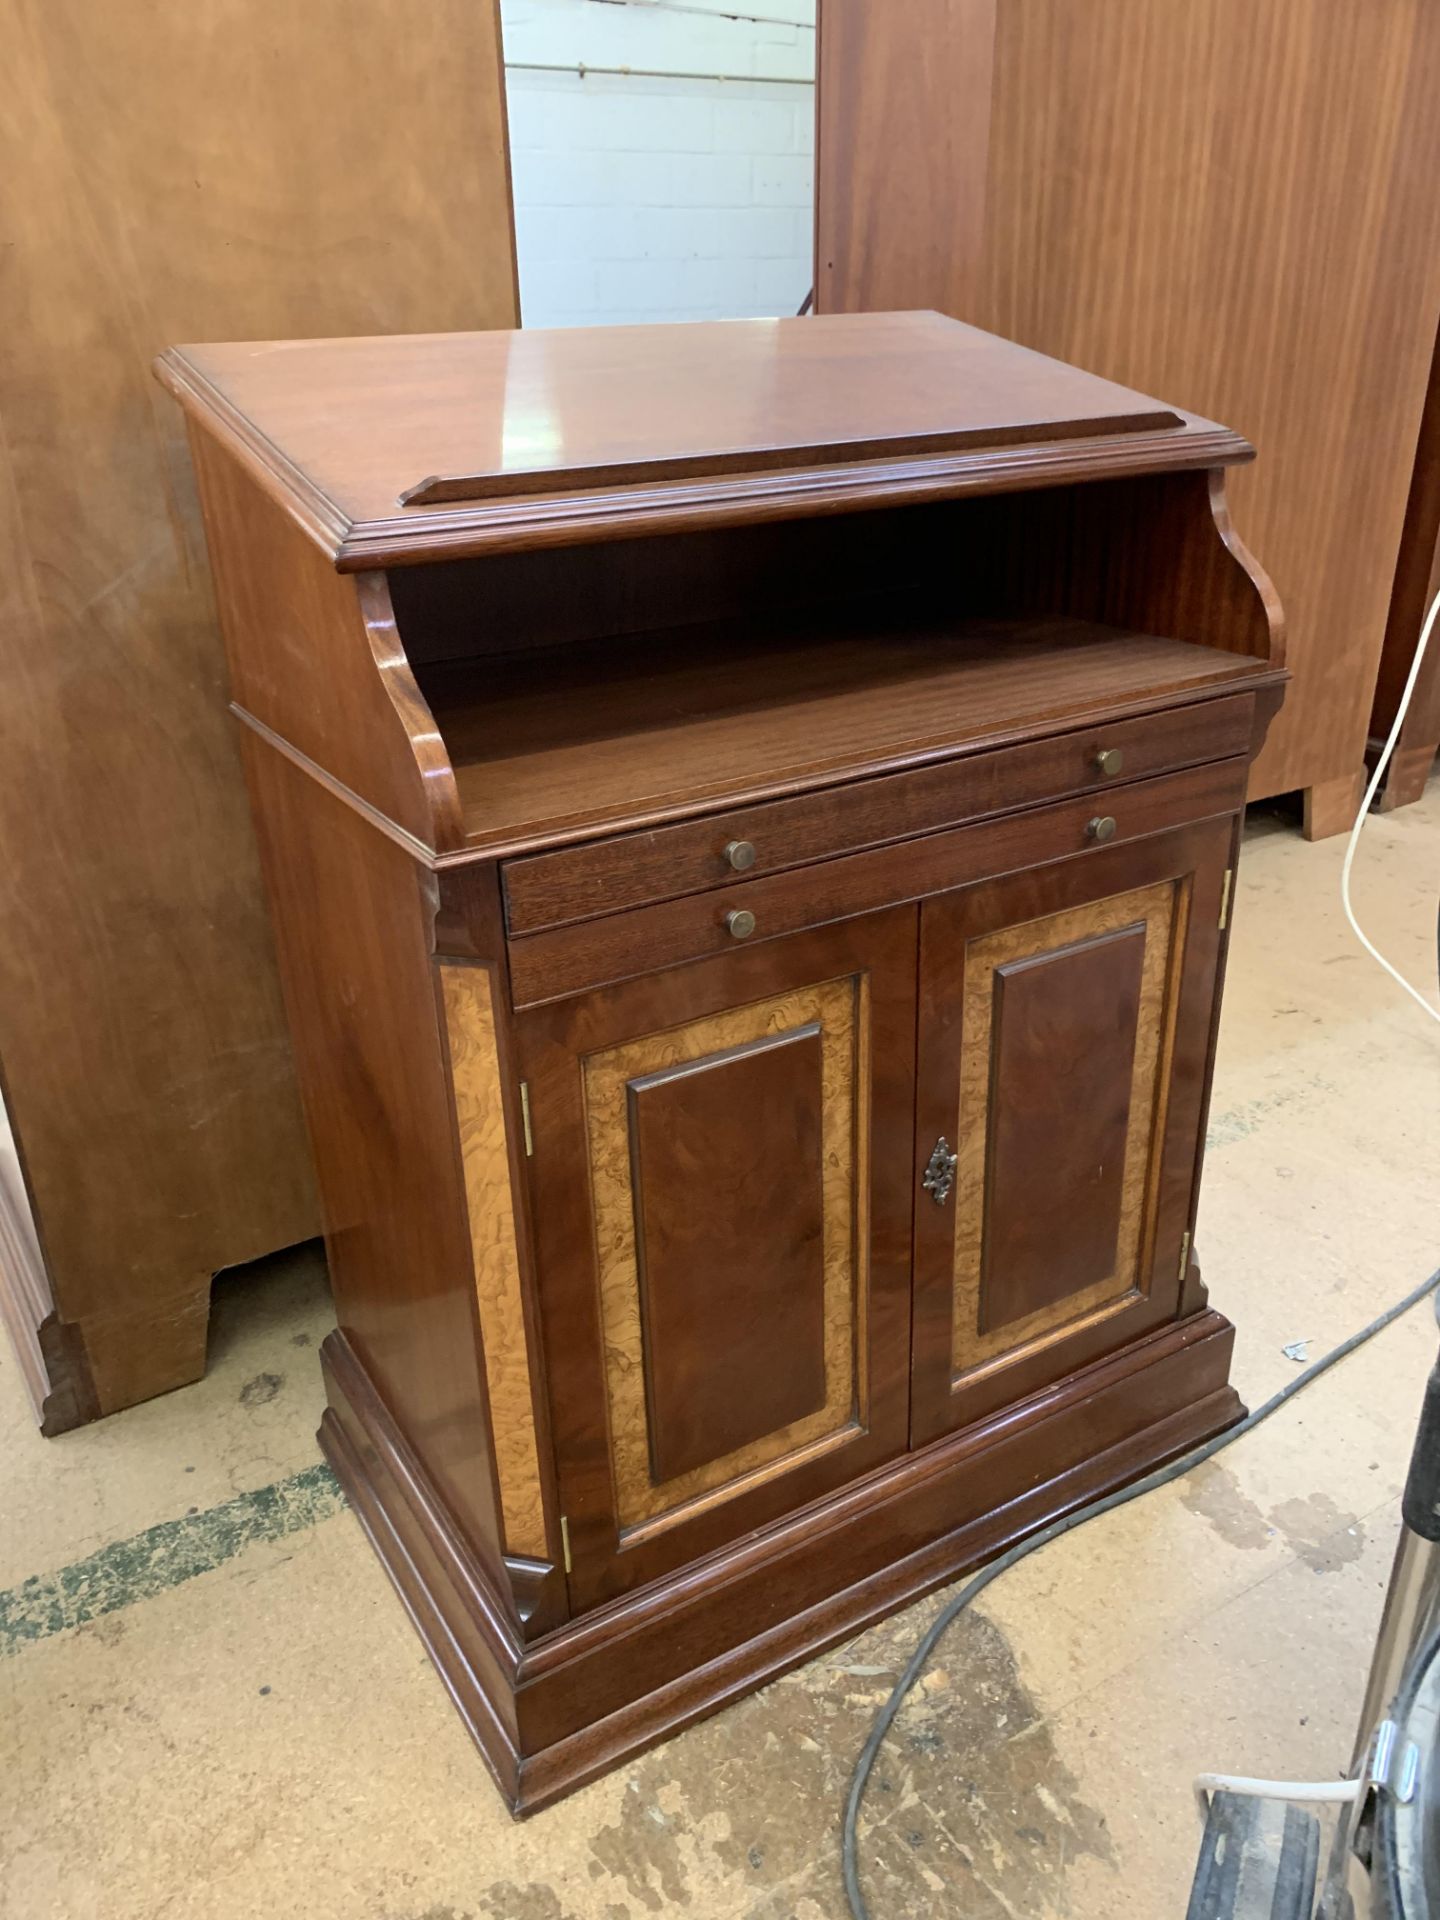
(404,448)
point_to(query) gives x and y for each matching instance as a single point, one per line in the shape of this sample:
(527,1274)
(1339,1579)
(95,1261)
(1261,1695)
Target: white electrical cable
(1321,1792)
(1370,792)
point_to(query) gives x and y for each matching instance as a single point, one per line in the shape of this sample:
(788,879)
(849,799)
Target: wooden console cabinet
(750,812)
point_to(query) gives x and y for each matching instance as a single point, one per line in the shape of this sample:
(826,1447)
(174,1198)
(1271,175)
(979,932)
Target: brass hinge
(565,1540)
(525,1119)
(1225,897)
(1184,1258)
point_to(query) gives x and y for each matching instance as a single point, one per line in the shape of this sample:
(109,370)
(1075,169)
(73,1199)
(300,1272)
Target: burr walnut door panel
(721,1159)
(1065,1026)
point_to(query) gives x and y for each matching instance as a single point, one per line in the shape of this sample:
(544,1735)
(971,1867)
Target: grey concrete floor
(212,1705)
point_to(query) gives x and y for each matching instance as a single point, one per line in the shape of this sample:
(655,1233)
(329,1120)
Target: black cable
(1106,1504)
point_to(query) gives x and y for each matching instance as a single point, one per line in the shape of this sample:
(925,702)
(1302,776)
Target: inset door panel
(740,1246)
(1066,1039)
(724,1159)
(1061,1036)
(728,1167)
(1065,1017)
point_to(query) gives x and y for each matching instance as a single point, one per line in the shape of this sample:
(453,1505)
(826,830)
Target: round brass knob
(1109,759)
(741,923)
(740,854)
(1102,827)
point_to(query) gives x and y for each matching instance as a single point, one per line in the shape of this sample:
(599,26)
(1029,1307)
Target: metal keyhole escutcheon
(940,1172)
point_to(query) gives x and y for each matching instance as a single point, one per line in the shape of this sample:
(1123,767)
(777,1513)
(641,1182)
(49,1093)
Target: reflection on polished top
(401,446)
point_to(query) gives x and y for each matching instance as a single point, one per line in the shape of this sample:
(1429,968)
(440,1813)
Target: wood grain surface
(469,1004)
(726,1157)
(645,1165)
(836,1014)
(622,430)
(170,173)
(1155,553)
(644,726)
(567,960)
(857,981)
(1064,1030)
(966,1364)
(354,919)
(1062,1236)
(550,1717)
(1417,581)
(1228,204)
(606,876)
(315,663)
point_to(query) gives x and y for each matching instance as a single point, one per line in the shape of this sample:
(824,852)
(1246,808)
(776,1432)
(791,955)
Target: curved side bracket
(439,795)
(1182,570)
(1150,552)
(1169,561)
(1263,586)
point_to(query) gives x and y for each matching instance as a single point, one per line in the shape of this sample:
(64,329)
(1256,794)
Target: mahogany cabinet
(750,812)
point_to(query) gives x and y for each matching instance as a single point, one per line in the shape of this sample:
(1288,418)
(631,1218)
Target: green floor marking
(163,1556)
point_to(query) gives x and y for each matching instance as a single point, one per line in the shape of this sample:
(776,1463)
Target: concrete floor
(211,1704)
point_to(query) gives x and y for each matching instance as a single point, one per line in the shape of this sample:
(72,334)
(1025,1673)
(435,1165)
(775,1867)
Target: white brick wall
(639,198)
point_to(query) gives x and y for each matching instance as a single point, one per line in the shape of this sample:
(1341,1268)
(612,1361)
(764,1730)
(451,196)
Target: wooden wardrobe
(169,172)
(1230,204)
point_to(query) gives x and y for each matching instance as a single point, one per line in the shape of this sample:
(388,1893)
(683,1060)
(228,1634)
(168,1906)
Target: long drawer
(564,960)
(630,870)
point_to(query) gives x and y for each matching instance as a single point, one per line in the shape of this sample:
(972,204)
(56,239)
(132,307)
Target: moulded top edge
(402,448)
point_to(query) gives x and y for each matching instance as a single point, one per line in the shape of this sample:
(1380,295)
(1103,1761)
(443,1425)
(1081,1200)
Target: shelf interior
(550,742)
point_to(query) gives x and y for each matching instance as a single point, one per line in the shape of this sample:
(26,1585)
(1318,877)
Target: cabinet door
(1066,1016)
(721,1162)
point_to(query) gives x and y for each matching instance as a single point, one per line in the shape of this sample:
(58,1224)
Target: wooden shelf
(619,732)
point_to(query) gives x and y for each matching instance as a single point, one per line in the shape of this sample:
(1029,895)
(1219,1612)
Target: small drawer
(695,856)
(592,953)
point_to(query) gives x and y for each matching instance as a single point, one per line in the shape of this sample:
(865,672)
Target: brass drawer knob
(741,923)
(1109,759)
(1102,827)
(740,854)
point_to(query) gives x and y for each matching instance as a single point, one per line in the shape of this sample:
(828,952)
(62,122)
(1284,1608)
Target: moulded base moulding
(553,1713)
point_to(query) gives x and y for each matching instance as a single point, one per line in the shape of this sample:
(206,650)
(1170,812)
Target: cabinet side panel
(314,655)
(480,1115)
(353,918)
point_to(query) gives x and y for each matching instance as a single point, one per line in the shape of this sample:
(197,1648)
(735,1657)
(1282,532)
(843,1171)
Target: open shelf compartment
(551,743)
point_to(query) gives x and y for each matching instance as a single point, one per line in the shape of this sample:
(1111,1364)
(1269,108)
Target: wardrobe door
(1065,1031)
